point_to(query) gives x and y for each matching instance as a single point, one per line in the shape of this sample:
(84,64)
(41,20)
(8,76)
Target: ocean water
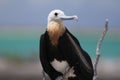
(24,41)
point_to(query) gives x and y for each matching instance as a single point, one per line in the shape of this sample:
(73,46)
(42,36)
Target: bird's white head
(58,15)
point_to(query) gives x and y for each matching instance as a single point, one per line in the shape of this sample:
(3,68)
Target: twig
(98,50)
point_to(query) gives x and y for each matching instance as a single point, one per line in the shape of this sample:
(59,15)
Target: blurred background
(23,21)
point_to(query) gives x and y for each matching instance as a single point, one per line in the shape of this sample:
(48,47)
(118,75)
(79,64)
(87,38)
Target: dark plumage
(63,52)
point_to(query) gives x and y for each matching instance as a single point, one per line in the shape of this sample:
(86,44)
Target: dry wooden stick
(98,50)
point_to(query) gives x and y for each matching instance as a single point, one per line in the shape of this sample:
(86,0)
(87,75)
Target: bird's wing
(43,58)
(84,57)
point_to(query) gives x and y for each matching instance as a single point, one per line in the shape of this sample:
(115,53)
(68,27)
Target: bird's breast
(60,66)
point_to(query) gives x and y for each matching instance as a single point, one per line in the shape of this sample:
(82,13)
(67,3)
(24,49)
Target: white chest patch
(60,66)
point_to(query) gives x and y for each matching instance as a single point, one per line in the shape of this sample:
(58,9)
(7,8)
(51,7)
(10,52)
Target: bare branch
(98,50)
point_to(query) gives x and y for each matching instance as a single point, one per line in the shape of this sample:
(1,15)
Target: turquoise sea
(23,41)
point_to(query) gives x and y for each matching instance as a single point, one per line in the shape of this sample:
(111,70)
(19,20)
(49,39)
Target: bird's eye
(56,14)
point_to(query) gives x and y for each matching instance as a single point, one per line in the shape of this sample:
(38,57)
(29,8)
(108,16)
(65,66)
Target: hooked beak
(69,17)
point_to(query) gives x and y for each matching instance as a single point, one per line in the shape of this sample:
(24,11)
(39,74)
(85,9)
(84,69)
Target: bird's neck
(55,30)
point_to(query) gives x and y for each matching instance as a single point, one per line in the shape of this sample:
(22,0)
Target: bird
(60,50)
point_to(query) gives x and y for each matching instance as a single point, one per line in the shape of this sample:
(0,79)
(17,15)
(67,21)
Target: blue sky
(91,13)
(35,12)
